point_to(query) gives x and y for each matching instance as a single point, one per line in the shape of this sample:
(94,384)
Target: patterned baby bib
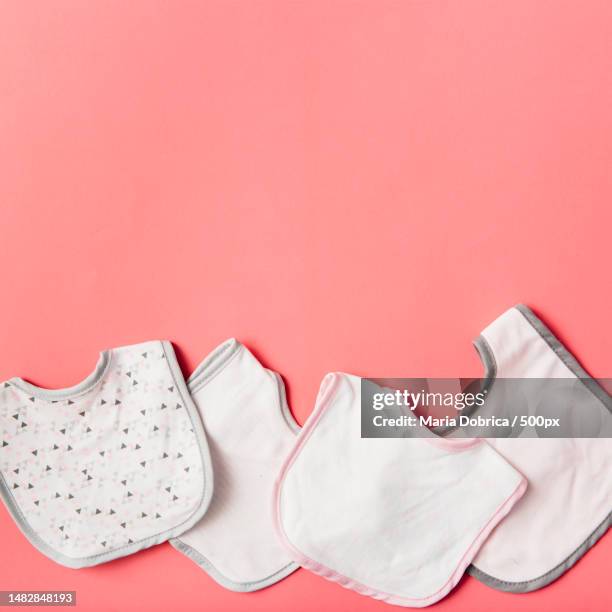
(110,466)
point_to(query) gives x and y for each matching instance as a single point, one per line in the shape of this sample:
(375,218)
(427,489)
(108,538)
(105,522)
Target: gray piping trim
(488,360)
(213,364)
(157,538)
(219,359)
(217,576)
(210,367)
(565,356)
(73,392)
(284,406)
(490,365)
(548,577)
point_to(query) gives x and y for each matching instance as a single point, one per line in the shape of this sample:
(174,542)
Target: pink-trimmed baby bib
(395,519)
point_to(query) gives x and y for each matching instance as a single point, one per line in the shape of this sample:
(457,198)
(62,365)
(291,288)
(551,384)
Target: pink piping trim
(326,393)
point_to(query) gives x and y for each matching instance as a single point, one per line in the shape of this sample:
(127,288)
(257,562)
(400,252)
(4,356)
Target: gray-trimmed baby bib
(110,466)
(251,431)
(567,506)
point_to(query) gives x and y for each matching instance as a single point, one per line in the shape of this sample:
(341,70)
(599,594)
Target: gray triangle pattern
(88,472)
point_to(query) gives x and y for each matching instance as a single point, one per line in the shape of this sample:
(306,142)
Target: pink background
(357,186)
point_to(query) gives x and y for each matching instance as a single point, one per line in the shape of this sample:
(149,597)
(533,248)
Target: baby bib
(566,508)
(108,467)
(396,519)
(250,430)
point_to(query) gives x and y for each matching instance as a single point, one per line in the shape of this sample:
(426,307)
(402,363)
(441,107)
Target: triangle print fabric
(110,466)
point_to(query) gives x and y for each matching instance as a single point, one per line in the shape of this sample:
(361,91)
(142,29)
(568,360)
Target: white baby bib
(110,466)
(567,506)
(396,519)
(250,430)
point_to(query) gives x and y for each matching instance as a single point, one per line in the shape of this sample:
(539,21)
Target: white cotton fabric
(396,519)
(110,466)
(566,508)
(250,431)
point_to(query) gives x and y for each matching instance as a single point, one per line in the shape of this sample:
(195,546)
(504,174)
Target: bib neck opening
(67,392)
